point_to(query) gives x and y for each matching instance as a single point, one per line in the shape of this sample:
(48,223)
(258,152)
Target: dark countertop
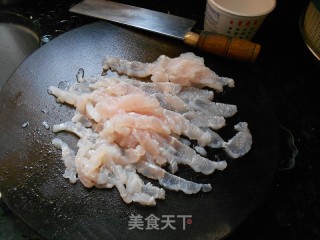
(291,209)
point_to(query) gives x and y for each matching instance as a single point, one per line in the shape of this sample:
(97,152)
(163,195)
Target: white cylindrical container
(236,18)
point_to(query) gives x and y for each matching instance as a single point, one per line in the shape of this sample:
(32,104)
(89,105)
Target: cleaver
(170,25)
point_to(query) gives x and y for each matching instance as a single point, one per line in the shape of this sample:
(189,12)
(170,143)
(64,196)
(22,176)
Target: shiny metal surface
(17,41)
(142,18)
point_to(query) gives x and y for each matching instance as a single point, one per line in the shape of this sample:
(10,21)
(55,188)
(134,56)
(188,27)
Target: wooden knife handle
(233,48)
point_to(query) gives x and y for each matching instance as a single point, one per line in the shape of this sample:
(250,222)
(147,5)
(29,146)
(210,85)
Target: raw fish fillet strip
(195,104)
(185,70)
(126,126)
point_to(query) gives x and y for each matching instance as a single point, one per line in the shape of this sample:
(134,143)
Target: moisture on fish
(127,127)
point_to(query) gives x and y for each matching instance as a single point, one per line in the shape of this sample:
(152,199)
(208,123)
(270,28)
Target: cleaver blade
(169,25)
(142,18)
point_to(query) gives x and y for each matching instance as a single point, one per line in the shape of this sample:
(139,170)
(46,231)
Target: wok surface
(31,171)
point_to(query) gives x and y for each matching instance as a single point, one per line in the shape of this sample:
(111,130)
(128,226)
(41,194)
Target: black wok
(31,171)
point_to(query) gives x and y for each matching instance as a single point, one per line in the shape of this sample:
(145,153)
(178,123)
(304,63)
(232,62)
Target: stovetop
(291,209)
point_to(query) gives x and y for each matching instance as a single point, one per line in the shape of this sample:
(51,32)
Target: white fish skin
(201,119)
(68,157)
(241,143)
(176,183)
(171,181)
(62,96)
(186,70)
(126,127)
(134,68)
(214,108)
(75,128)
(186,155)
